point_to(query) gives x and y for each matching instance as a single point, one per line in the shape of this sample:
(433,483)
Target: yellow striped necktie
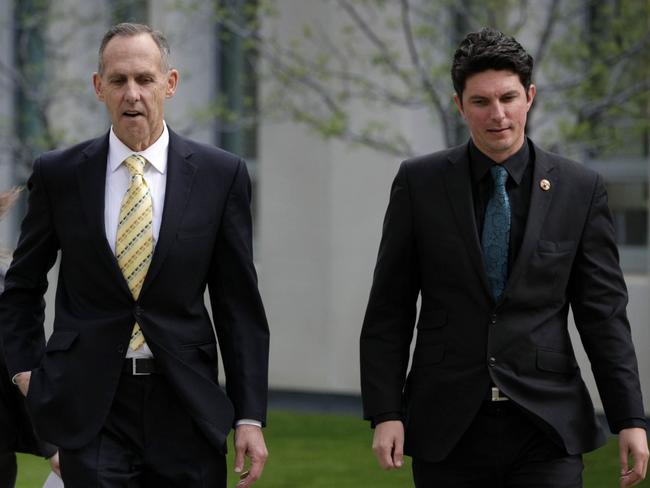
(134,246)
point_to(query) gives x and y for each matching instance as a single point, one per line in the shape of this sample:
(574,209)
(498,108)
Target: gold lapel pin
(545,184)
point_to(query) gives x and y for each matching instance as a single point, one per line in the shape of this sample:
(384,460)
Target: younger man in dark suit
(499,238)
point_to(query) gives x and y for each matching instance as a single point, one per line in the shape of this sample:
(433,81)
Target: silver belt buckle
(134,369)
(497,396)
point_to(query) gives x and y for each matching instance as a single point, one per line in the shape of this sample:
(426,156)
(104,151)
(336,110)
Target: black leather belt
(139,366)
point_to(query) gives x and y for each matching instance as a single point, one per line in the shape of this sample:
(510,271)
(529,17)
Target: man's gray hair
(128,29)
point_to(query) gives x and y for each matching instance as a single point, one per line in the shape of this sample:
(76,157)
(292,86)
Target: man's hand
(633,442)
(22,381)
(54,464)
(388,444)
(249,441)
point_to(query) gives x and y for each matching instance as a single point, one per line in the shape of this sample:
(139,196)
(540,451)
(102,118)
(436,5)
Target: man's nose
(132,92)
(497,112)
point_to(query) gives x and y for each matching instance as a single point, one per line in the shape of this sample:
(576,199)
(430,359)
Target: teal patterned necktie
(496,233)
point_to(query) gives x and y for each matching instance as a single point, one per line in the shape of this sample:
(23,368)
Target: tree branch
(425,81)
(374,39)
(615,99)
(547,32)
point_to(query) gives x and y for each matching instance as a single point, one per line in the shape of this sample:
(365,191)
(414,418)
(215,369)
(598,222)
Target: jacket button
(492,362)
(120,348)
(493,318)
(138,310)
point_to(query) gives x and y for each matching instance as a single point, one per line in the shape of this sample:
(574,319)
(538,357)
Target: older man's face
(134,87)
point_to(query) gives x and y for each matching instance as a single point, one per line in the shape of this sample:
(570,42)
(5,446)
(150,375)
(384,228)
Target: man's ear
(97,85)
(459,104)
(172,82)
(530,96)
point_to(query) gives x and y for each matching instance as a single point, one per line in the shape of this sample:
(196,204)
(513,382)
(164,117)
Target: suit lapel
(91,180)
(539,203)
(458,182)
(180,174)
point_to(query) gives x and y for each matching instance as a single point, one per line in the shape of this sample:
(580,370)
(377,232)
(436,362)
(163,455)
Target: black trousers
(503,448)
(148,441)
(8,470)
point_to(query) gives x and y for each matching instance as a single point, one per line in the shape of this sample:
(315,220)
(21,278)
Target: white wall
(320,211)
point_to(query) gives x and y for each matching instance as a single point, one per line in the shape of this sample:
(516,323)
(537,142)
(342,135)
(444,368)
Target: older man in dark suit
(128,384)
(499,238)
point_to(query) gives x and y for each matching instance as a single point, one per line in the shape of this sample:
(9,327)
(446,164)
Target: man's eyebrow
(484,97)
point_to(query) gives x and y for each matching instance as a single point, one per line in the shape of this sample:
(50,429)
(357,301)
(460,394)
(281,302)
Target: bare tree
(36,77)
(385,56)
(591,59)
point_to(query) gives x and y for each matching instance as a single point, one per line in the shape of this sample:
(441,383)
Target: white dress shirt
(118,180)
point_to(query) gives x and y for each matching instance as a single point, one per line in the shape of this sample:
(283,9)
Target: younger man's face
(495,106)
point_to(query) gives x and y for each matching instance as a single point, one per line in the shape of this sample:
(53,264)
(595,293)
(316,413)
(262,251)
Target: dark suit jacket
(205,239)
(568,257)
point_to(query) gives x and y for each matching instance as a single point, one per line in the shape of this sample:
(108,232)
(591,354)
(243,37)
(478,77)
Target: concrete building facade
(319,203)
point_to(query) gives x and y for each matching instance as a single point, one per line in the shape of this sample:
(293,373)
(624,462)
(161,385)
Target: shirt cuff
(256,423)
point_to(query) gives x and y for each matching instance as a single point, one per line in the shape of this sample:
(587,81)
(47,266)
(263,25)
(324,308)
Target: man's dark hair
(490,49)
(128,29)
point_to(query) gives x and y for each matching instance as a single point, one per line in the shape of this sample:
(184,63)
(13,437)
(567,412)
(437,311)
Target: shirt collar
(156,154)
(516,164)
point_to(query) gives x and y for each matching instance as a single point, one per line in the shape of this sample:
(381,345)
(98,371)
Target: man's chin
(133,135)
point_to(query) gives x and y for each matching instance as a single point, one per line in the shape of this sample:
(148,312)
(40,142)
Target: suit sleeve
(598,299)
(390,317)
(22,305)
(237,308)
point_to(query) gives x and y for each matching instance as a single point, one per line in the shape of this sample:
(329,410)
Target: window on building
(236,124)
(31,132)
(623,155)
(237,130)
(31,128)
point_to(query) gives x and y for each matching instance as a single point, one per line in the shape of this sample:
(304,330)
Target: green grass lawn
(333,451)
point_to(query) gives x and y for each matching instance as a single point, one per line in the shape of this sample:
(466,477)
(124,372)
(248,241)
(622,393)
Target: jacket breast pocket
(547,272)
(197,231)
(555,247)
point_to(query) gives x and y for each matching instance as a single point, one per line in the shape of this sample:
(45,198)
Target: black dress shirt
(520,176)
